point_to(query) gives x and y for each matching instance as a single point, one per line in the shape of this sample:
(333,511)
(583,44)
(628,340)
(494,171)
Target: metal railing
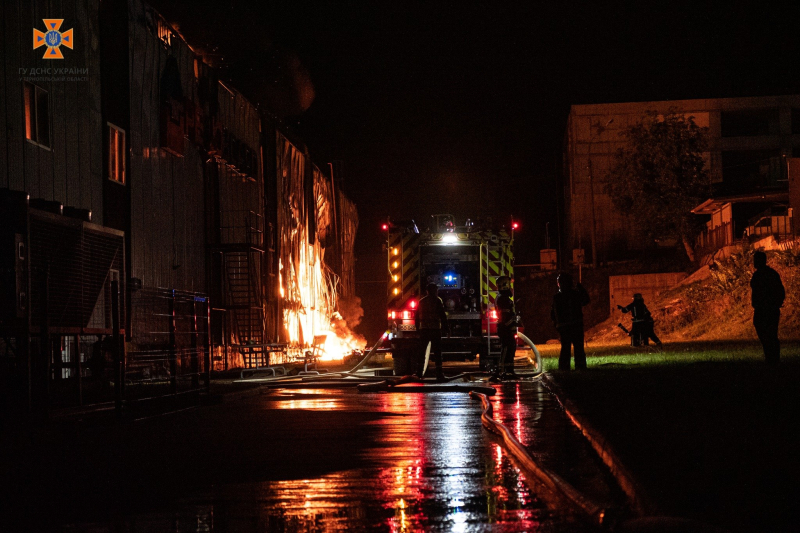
(242,227)
(170,345)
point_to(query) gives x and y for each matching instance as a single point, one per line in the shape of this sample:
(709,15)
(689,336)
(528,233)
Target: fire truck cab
(464,261)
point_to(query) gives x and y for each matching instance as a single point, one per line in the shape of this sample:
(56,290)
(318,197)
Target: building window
(747,170)
(116,154)
(37,115)
(795,121)
(749,122)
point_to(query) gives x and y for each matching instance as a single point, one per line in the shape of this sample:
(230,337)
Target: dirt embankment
(714,303)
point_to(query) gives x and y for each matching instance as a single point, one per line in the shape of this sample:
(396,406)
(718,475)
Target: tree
(660,176)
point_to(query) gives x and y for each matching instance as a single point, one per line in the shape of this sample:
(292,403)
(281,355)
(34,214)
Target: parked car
(769,225)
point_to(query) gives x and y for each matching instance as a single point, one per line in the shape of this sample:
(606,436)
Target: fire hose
(369,354)
(350,378)
(347,378)
(549,479)
(537,357)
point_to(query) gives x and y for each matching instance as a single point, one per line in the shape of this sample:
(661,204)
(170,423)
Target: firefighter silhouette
(641,322)
(567,316)
(506,329)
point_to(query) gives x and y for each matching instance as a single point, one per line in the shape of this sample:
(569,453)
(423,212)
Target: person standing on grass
(567,315)
(767,298)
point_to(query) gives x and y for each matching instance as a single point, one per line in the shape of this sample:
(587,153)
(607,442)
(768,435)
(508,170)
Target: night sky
(460,107)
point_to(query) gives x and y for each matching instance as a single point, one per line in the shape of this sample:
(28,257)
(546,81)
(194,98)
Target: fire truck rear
(464,262)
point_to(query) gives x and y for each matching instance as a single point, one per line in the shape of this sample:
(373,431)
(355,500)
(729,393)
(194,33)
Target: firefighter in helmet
(429,319)
(641,322)
(506,329)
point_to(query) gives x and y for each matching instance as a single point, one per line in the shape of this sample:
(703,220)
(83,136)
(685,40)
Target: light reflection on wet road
(433,468)
(427,465)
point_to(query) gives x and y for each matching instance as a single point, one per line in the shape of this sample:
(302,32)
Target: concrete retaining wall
(622,288)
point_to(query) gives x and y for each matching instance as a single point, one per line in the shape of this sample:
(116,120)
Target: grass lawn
(707,429)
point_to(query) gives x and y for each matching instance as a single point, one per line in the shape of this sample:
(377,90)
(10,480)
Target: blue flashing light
(450,280)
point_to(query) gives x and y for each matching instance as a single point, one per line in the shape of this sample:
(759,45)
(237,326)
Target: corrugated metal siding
(167,191)
(239,195)
(71,171)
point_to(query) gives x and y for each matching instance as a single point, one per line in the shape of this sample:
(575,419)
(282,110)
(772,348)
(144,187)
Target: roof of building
(713,205)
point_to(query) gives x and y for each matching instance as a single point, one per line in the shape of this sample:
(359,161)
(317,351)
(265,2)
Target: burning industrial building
(156,223)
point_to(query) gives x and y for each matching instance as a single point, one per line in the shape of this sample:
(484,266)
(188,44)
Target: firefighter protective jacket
(508,316)
(430,313)
(639,312)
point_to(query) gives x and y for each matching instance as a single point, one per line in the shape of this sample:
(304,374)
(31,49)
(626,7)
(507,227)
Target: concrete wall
(622,288)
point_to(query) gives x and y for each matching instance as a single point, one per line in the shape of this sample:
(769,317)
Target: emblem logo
(52,39)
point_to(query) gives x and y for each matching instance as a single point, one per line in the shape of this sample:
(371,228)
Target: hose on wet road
(549,479)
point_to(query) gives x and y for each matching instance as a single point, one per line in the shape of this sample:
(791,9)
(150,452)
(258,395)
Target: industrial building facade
(750,143)
(154,223)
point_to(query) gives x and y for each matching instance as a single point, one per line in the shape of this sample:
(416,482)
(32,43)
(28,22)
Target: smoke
(349,316)
(280,81)
(236,41)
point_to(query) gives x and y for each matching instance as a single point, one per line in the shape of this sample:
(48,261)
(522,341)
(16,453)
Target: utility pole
(547,235)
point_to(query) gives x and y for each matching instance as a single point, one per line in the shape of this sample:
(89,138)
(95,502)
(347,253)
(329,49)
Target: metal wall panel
(63,170)
(167,192)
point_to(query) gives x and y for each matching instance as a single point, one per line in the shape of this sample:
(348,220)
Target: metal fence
(169,350)
(714,239)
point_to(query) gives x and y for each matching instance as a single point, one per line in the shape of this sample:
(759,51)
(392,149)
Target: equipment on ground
(466,262)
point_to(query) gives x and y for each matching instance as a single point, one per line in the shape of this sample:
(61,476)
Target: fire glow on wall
(315,243)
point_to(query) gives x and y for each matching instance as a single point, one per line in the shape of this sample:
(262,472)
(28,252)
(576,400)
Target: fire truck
(464,261)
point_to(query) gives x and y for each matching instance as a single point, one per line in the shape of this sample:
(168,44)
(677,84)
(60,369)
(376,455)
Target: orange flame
(308,290)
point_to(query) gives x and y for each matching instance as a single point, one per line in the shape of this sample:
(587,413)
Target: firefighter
(641,322)
(506,330)
(429,319)
(567,315)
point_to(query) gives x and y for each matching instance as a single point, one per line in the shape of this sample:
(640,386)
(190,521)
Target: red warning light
(413,304)
(515,225)
(385,227)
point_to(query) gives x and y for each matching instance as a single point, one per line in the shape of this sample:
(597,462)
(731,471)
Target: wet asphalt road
(312,460)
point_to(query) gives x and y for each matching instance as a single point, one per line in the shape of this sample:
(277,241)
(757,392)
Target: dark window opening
(749,169)
(748,123)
